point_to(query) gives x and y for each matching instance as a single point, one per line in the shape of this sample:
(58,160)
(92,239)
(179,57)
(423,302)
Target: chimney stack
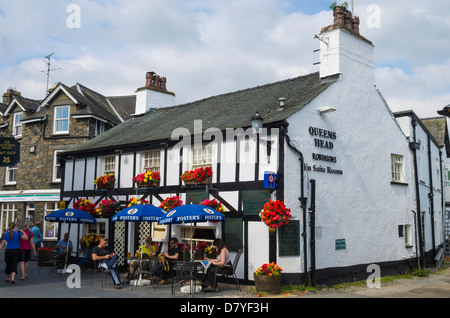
(346,19)
(154,94)
(155,81)
(9,95)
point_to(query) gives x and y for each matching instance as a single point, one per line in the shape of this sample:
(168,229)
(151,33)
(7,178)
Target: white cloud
(211,47)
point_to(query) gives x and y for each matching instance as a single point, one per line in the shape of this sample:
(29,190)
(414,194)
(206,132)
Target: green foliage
(343,5)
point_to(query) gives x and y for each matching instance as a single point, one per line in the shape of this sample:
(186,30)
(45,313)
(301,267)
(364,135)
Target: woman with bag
(12,239)
(25,251)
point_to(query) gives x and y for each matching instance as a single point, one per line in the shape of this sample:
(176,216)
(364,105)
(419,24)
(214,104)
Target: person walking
(12,240)
(26,247)
(37,234)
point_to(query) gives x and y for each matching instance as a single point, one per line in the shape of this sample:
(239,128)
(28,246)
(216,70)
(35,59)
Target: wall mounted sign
(323,139)
(289,239)
(340,244)
(9,152)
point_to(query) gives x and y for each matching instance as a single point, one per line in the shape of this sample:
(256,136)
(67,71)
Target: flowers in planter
(106,208)
(210,252)
(216,205)
(85,205)
(89,240)
(171,202)
(136,201)
(197,175)
(105,182)
(275,214)
(270,269)
(44,250)
(148,178)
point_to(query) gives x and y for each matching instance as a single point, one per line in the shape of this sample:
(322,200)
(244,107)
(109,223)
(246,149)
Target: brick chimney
(154,94)
(9,95)
(345,18)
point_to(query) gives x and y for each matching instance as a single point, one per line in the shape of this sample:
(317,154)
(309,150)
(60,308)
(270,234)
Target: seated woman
(147,250)
(223,258)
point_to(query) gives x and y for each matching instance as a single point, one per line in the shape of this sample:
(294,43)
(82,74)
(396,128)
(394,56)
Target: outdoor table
(152,260)
(194,267)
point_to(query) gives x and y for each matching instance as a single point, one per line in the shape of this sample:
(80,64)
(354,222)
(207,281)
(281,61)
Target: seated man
(63,246)
(106,260)
(172,254)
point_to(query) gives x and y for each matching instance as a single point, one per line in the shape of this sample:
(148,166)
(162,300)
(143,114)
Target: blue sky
(209,47)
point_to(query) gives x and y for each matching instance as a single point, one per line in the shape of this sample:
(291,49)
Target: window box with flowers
(106,208)
(171,202)
(85,205)
(275,214)
(268,278)
(215,204)
(197,176)
(147,179)
(105,182)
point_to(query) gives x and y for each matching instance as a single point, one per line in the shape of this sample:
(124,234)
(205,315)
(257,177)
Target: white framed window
(199,234)
(7,215)
(56,167)
(11,175)
(98,228)
(109,164)
(99,127)
(152,160)
(202,156)
(61,121)
(397,168)
(17,124)
(50,229)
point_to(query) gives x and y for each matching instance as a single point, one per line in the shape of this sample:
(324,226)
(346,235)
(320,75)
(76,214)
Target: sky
(211,47)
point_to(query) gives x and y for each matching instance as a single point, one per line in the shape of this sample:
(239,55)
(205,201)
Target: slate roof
(124,105)
(232,110)
(437,127)
(3,108)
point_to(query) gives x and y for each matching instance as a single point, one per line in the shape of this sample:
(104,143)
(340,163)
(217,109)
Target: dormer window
(17,124)
(61,122)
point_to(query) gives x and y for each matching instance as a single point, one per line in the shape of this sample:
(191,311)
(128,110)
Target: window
(202,156)
(56,167)
(7,215)
(99,127)
(397,168)
(152,160)
(17,124)
(109,164)
(98,228)
(11,175)
(408,235)
(199,234)
(61,124)
(50,230)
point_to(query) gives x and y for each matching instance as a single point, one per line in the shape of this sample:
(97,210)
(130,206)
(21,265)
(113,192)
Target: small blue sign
(270,179)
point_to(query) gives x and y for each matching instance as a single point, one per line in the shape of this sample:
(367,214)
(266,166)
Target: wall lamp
(257,125)
(326,109)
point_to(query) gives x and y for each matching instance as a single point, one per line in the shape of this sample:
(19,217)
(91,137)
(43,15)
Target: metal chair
(233,271)
(144,271)
(53,263)
(182,272)
(102,272)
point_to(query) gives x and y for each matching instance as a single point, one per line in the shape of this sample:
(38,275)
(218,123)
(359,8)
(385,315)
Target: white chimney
(153,95)
(345,53)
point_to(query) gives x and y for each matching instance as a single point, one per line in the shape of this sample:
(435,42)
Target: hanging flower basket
(106,208)
(136,201)
(105,182)
(170,202)
(275,214)
(147,179)
(85,205)
(216,205)
(197,176)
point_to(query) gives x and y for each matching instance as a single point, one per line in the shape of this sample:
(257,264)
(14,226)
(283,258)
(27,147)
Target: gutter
(302,200)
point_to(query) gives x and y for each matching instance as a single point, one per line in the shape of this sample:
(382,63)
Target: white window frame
(11,175)
(8,214)
(151,160)
(109,164)
(397,168)
(17,124)
(50,226)
(99,127)
(61,119)
(408,235)
(201,157)
(56,166)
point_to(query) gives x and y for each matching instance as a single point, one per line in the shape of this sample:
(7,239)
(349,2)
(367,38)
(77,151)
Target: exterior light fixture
(326,109)
(257,123)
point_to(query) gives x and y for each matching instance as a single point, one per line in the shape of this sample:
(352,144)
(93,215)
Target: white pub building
(351,174)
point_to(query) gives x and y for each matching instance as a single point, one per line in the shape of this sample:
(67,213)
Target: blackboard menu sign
(195,197)
(234,233)
(254,200)
(289,239)
(9,152)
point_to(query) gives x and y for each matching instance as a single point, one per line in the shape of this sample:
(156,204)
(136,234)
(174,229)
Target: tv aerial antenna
(47,60)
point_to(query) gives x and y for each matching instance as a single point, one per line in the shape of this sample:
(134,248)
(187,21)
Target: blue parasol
(191,213)
(142,212)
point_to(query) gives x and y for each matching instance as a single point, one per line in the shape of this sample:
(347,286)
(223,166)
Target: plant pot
(106,187)
(268,284)
(190,182)
(44,257)
(206,181)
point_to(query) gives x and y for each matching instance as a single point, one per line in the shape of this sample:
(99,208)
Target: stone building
(67,116)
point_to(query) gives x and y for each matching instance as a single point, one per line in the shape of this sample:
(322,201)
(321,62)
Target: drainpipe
(414,146)
(302,200)
(431,197)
